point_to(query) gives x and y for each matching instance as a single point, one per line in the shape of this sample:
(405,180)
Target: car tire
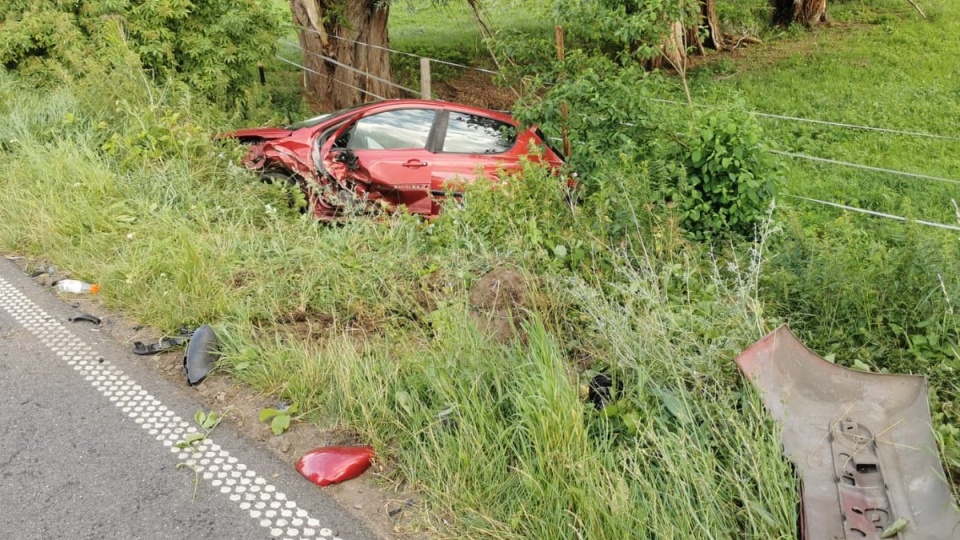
(288,183)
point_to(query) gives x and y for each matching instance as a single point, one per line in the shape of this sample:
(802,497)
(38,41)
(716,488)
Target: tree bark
(708,14)
(342,41)
(807,12)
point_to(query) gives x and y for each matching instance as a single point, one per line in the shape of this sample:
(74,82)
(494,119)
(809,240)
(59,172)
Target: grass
(372,327)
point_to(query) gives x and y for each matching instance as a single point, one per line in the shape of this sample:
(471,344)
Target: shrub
(720,176)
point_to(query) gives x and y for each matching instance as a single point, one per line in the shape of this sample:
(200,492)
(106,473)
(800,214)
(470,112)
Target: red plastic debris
(331,464)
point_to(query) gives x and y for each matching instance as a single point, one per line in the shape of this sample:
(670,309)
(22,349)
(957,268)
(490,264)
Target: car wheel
(293,191)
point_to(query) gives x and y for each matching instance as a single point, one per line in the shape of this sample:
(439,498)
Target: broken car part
(332,464)
(202,354)
(86,317)
(164,344)
(862,444)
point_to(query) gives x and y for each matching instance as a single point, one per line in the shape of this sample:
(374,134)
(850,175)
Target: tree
(214,45)
(808,12)
(342,41)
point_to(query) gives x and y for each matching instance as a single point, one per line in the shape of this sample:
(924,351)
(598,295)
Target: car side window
(392,130)
(472,134)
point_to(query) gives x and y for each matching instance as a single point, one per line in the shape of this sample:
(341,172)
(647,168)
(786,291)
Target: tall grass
(369,327)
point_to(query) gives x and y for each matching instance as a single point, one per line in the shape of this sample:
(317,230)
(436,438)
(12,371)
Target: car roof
(437,104)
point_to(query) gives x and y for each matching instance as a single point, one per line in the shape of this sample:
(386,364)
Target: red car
(379,156)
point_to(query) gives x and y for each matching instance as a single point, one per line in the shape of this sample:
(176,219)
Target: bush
(720,176)
(213,46)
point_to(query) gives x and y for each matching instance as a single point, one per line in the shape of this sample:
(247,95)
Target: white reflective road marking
(269,507)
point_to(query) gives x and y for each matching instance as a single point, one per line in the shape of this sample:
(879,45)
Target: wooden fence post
(425,78)
(563,107)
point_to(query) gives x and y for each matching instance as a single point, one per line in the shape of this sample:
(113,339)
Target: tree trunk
(807,12)
(708,14)
(680,39)
(673,51)
(336,37)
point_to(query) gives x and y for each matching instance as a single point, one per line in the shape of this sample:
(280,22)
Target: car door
(392,147)
(472,146)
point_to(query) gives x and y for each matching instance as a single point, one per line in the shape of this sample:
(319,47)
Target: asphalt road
(88,445)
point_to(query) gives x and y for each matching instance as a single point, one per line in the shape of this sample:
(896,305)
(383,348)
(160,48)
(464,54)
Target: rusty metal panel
(862,444)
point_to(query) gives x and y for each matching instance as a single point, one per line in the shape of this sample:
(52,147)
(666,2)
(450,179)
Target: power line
(282,59)
(382,48)
(864,167)
(353,69)
(877,214)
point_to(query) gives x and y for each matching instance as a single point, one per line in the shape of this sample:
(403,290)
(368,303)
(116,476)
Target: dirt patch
(476,88)
(498,301)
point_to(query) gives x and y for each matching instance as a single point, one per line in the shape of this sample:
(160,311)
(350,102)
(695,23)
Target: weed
(279,418)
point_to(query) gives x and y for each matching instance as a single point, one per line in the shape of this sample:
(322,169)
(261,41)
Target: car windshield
(310,122)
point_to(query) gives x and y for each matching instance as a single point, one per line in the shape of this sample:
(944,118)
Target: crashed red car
(381,156)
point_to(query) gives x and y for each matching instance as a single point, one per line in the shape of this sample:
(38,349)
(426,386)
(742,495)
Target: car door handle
(415,164)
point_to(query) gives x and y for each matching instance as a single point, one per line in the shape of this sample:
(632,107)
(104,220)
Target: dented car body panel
(408,153)
(862,444)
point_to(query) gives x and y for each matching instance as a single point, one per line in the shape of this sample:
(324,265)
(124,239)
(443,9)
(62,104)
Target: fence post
(564,133)
(425,78)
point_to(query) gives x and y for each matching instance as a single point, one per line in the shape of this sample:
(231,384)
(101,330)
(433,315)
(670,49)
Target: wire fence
(353,69)
(792,155)
(395,51)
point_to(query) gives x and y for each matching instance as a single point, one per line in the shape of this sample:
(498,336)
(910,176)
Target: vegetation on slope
(463,349)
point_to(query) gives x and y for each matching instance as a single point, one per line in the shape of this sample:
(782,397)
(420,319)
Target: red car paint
(379,156)
(332,464)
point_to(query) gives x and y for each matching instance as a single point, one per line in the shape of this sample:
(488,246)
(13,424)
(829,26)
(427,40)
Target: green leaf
(404,401)
(676,407)
(267,414)
(199,417)
(560,251)
(895,528)
(280,423)
(241,366)
(191,439)
(212,420)
(860,366)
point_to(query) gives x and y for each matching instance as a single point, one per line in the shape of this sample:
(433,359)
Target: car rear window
(473,134)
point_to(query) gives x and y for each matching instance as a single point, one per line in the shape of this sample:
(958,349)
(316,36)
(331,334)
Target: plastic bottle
(77,287)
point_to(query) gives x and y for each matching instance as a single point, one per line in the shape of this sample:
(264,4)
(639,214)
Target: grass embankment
(385,329)
(176,234)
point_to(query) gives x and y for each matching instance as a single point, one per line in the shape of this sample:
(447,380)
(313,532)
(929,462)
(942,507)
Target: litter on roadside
(862,444)
(86,317)
(164,344)
(75,286)
(333,464)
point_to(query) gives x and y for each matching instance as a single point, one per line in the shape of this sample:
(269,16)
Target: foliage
(627,30)
(720,175)
(279,418)
(207,422)
(370,326)
(213,46)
